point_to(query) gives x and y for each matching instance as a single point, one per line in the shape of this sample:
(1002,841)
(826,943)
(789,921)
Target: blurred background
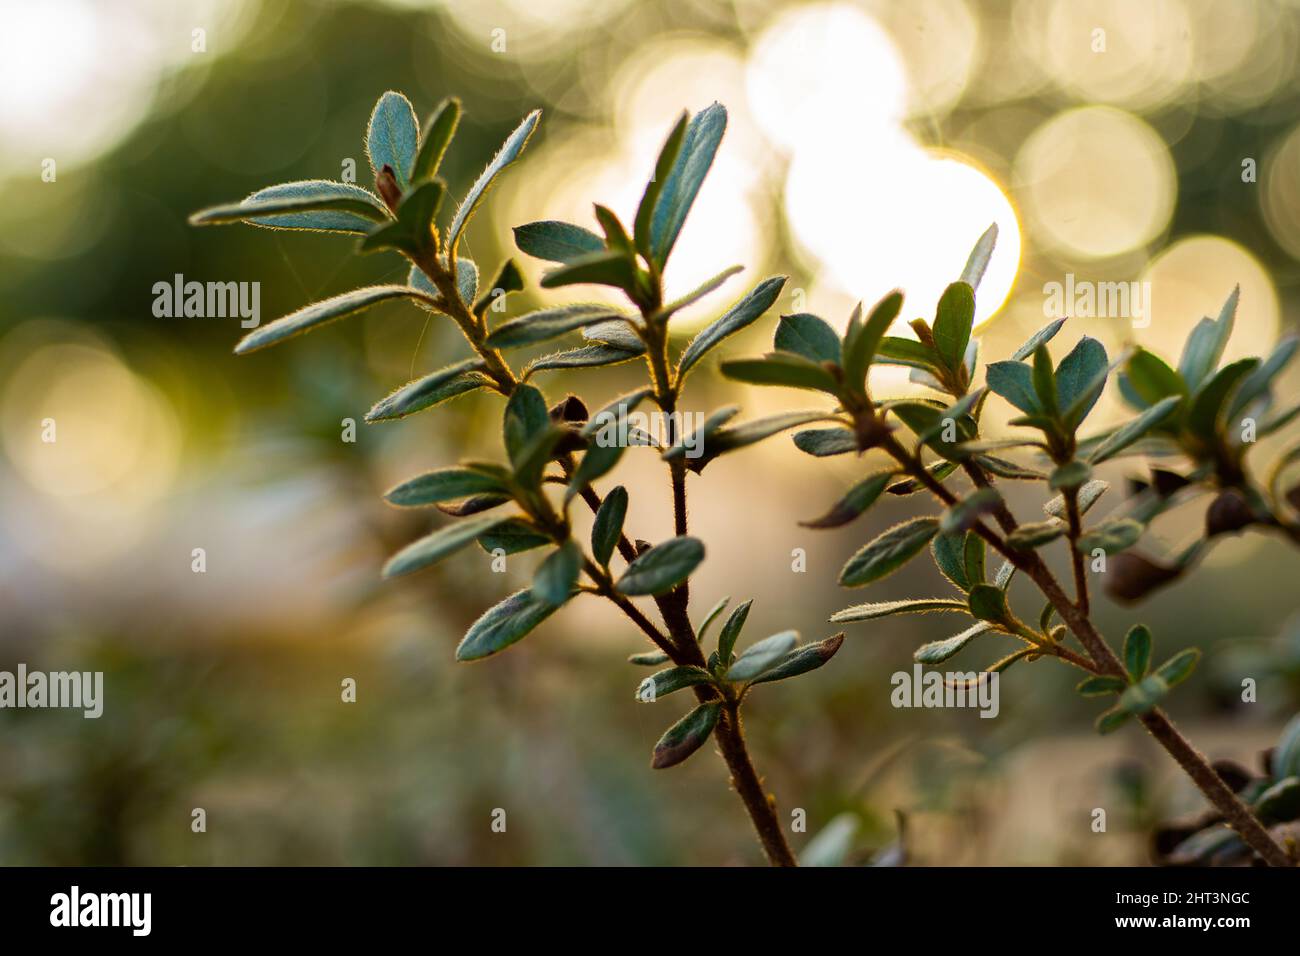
(869,145)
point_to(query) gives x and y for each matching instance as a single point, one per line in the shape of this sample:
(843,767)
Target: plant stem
(761,807)
(1077,618)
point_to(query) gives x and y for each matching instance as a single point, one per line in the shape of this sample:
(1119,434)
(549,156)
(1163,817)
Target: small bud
(1228,513)
(386,183)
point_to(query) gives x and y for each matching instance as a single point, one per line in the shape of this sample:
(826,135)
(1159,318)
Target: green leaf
(588,356)
(1041,337)
(557,241)
(608,525)
(960,558)
(547,324)
(831,846)
(315,204)
(648,658)
(858,499)
(698,146)
(1112,720)
(686,736)
(668,154)
(783,369)
(1014,382)
(1005,573)
(978,261)
(698,293)
(663,567)
(509,152)
(1135,429)
(928,423)
(1280,803)
(967,511)
(557,575)
(714,613)
(1286,756)
(672,679)
(1257,383)
(988,602)
(907,352)
(824,442)
(731,629)
(888,552)
(1080,378)
(443,542)
(441,128)
(759,658)
(596,268)
(1151,379)
(864,340)
(1179,667)
(526,417)
(938,470)
(1072,474)
(392,137)
(512,536)
(318,313)
(445,484)
(502,625)
(1035,534)
(1113,536)
(432,389)
(743,313)
(1143,696)
(413,230)
(1100,685)
(807,335)
(616,237)
(1210,400)
(1044,381)
(596,461)
(1004,468)
(1205,345)
(723,440)
(952,324)
(1137,651)
(1087,496)
(870,612)
(801,660)
(936,652)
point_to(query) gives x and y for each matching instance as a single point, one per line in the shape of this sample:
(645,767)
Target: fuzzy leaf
(1113,536)
(759,658)
(509,152)
(432,389)
(608,525)
(672,679)
(663,567)
(1205,345)
(824,442)
(317,205)
(1137,652)
(1035,534)
(392,137)
(936,652)
(807,335)
(557,241)
(978,261)
(502,625)
(743,313)
(318,313)
(445,484)
(691,164)
(953,322)
(801,660)
(1041,337)
(1135,429)
(856,501)
(547,324)
(870,612)
(438,545)
(888,552)
(557,575)
(731,629)
(686,736)
(1179,667)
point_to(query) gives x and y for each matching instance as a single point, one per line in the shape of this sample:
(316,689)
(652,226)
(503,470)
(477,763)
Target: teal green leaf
(731,629)
(670,680)
(1087,496)
(1137,651)
(1179,667)
(879,609)
(608,525)
(1080,379)
(1035,534)
(824,442)
(936,652)
(1256,384)
(1100,685)
(686,736)
(509,152)
(856,501)
(691,164)
(513,536)
(596,461)
(801,660)
(952,323)
(1205,345)
(432,389)
(1210,400)
(547,324)
(1112,720)
(668,153)
(392,138)
(1133,430)
(1041,337)
(988,602)
(863,340)
(968,510)
(807,335)
(596,268)
(698,292)
(1072,474)
(314,205)
(663,567)
(445,484)
(508,279)
(719,441)
(714,613)
(782,369)
(318,313)
(980,254)
(743,313)
(1151,379)
(960,558)
(895,350)
(526,417)
(758,658)
(1014,382)
(438,545)
(503,625)
(648,658)
(888,552)
(557,241)
(1143,696)
(557,575)
(1113,536)
(588,356)
(440,130)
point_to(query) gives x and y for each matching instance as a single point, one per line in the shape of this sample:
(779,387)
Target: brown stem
(1076,556)
(760,805)
(1236,813)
